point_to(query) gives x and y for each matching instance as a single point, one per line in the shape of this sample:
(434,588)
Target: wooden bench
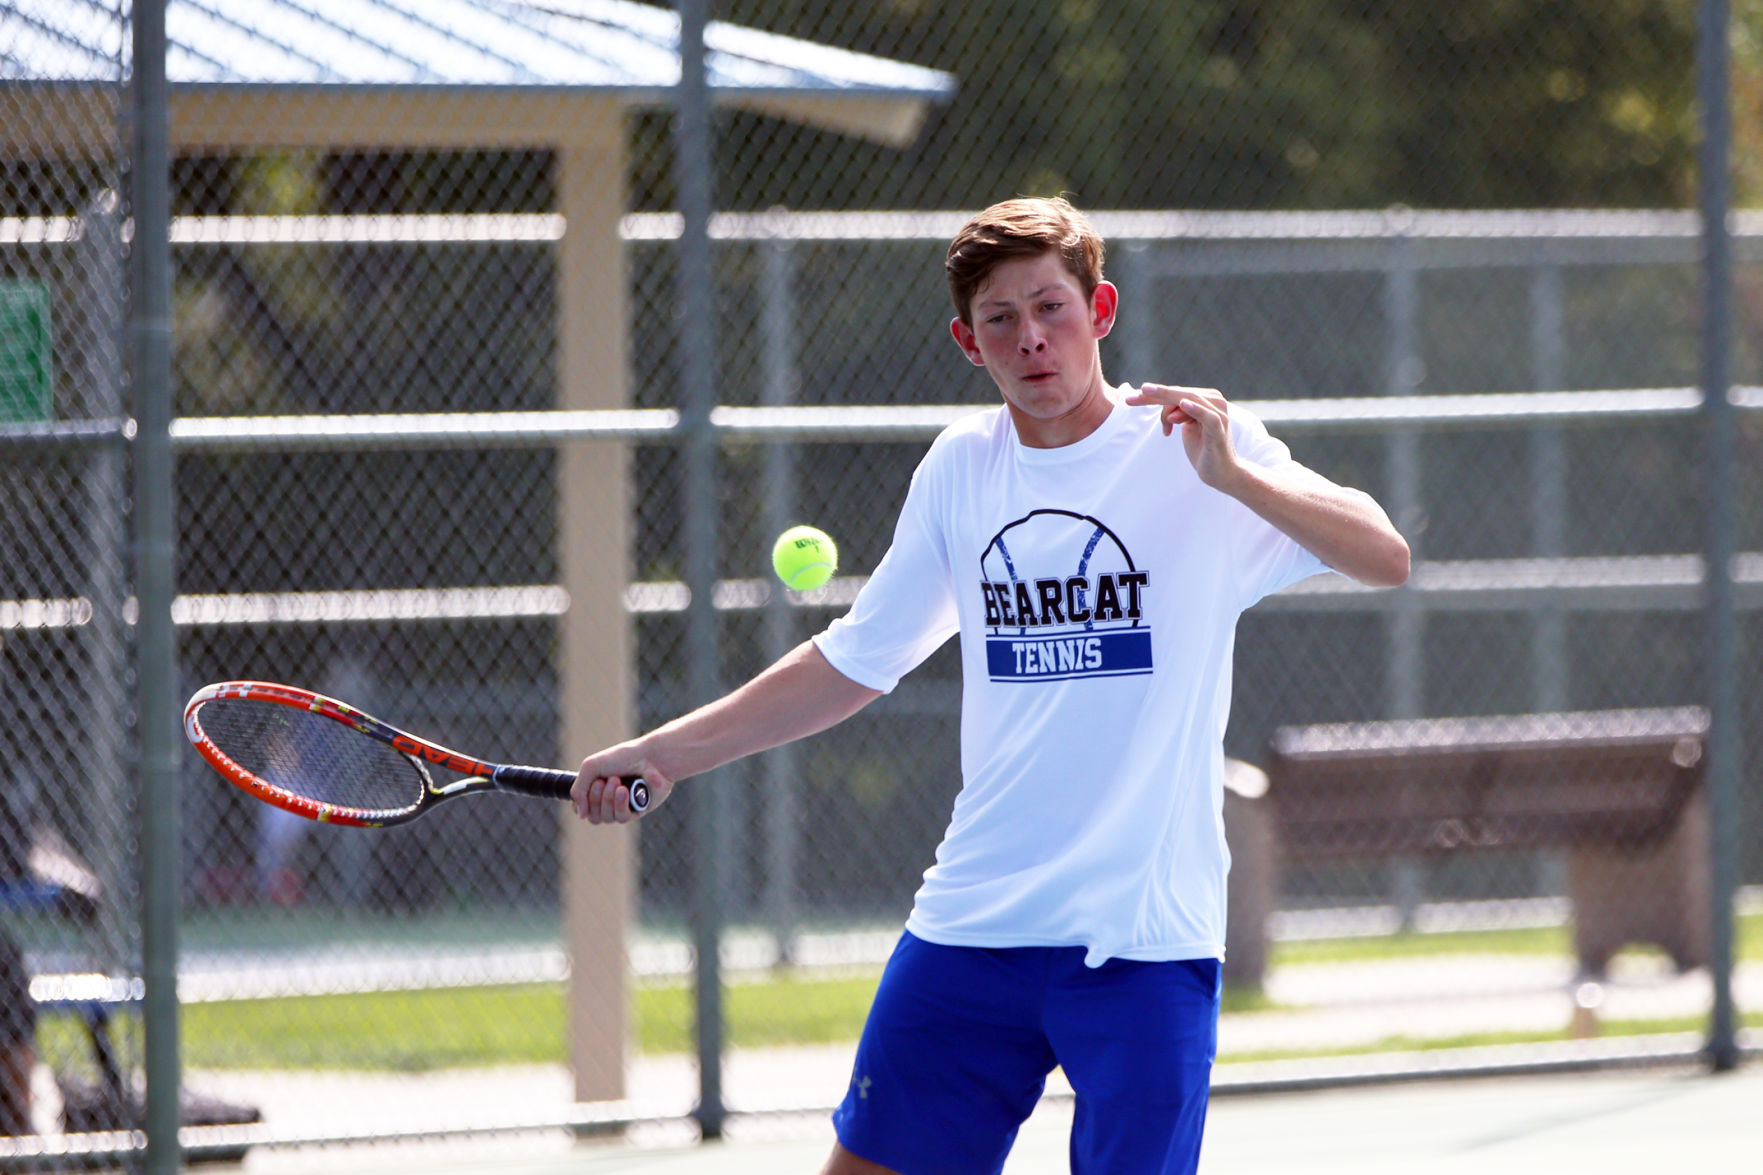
(56,886)
(1619,791)
(91,997)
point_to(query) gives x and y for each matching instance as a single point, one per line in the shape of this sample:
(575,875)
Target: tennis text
(1119,653)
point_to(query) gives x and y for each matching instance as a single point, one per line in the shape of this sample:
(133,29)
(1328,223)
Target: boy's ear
(964,339)
(1104,304)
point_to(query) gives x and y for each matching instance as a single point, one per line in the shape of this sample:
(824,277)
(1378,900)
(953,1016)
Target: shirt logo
(1063,600)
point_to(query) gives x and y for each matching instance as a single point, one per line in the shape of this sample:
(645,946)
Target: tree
(1241,104)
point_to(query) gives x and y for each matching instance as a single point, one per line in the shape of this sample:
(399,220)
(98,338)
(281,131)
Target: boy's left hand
(1204,417)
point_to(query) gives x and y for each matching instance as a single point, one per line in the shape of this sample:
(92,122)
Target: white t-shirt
(1096,588)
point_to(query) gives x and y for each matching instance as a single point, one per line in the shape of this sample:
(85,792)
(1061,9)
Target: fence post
(1403,373)
(156,680)
(1137,263)
(104,751)
(779,776)
(1724,746)
(697,300)
(1548,482)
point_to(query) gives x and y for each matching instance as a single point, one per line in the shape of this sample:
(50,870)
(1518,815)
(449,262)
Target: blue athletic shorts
(960,1040)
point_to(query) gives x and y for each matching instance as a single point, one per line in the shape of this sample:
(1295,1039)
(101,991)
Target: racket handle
(549,783)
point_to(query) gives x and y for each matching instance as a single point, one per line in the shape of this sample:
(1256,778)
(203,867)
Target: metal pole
(103,756)
(697,306)
(156,679)
(1136,270)
(1725,750)
(1406,686)
(779,777)
(1406,681)
(1549,658)
(1548,482)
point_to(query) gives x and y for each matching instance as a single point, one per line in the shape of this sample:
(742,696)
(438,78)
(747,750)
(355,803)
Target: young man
(1094,568)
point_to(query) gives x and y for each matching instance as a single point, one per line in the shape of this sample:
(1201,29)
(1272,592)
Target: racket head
(310,754)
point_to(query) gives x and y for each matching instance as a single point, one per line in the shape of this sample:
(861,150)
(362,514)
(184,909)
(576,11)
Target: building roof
(623,48)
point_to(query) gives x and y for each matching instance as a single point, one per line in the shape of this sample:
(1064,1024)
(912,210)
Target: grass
(784,1011)
(516,1024)
(1399,1044)
(1529,940)
(409,1031)
(417,1031)
(433,1029)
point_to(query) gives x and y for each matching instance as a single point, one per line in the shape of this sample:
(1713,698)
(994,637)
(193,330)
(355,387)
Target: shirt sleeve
(1266,559)
(907,609)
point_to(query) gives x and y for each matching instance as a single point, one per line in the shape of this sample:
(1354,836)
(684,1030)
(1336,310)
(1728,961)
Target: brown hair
(1024,227)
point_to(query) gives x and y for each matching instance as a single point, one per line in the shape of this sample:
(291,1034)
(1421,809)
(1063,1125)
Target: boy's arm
(799,695)
(1345,528)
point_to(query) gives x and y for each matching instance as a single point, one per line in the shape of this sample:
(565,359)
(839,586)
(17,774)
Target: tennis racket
(327,761)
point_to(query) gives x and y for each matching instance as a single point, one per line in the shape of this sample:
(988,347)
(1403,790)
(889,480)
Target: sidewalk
(1441,997)
(1624,1123)
(1331,1010)
(1325,1008)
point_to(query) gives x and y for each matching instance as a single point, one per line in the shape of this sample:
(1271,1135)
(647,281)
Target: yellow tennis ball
(804,557)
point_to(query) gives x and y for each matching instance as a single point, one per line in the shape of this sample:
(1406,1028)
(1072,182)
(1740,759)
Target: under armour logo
(863,1087)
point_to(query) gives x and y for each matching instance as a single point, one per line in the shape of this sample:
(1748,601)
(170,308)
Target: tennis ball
(804,557)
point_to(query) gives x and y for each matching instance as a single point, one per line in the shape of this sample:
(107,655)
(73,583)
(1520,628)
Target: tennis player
(1093,547)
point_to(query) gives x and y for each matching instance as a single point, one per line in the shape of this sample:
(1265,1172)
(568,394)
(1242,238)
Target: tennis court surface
(1608,1123)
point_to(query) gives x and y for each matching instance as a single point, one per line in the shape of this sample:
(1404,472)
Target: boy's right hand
(600,795)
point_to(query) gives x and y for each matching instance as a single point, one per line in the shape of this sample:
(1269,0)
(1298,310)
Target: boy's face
(1036,336)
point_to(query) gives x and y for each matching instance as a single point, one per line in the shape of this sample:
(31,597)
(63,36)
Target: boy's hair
(1024,227)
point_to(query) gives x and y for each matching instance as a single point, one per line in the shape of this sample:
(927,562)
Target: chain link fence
(451,213)
(69,941)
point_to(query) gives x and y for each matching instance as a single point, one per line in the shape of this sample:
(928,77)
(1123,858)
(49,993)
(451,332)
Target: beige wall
(596,663)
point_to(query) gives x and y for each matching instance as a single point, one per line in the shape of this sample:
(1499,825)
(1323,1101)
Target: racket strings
(312,756)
